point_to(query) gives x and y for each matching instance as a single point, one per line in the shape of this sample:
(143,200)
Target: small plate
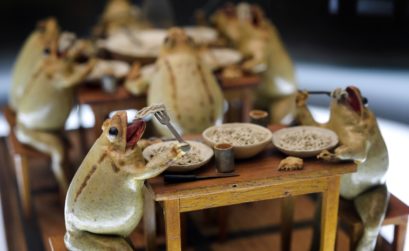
(202,151)
(304,141)
(115,68)
(247,139)
(221,57)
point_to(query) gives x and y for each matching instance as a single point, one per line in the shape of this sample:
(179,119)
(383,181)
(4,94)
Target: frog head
(49,29)
(349,102)
(121,136)
(177,40)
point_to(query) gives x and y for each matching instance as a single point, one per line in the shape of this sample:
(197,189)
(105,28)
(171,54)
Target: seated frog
(183,82)
(48,100)
(258,40)
(120,16)
(30,54)
(361,141)
(105,201)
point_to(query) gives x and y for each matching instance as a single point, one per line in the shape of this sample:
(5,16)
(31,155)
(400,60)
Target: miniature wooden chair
(396,215)
(20,155)
(56,243)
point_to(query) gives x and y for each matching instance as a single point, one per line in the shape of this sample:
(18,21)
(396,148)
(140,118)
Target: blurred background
(333,43)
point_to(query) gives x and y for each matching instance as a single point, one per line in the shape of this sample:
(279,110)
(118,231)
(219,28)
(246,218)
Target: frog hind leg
(89,241)
(51,144)
(371,207)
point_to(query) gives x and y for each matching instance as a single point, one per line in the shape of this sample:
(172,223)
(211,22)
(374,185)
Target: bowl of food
(199,155)
(304,141)
(247,139)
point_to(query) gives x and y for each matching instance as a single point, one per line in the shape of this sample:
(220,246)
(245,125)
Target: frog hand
(301,98)
(327,156)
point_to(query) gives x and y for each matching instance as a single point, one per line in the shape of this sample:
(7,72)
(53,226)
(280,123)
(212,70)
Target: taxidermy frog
(258,40)
(31,53)
(105,201)
(48,100)
(361,141)
(184,84)
(119,16)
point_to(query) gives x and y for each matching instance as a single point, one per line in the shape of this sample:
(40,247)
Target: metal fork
(163,118)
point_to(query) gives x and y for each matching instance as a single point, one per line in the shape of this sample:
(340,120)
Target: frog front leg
(50,144)
(303,114)
(356,149)
(136,83)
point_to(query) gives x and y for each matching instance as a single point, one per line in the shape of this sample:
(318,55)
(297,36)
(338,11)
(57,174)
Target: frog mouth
(354,99)
(134,132)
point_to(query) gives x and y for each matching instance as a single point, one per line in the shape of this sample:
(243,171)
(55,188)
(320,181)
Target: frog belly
(189,91)
(103,207)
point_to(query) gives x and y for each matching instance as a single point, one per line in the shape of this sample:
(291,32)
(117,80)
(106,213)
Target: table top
(92,94)
(259,170)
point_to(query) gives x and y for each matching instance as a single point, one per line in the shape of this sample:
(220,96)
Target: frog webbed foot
(89,241)
(327,156)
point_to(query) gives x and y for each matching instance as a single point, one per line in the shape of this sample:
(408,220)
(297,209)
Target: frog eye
(113,131)
(47,51)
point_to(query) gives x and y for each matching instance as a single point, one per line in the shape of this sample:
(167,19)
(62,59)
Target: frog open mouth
(134,132)
(354,99)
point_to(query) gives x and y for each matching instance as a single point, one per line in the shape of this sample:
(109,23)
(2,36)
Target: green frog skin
(30,54)
(104,202)
(185,85)
(47,102)
(361,141)
(247,28)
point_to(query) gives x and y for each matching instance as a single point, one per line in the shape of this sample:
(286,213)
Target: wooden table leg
(287,215)
(172,222)
(149,221)
(329,214)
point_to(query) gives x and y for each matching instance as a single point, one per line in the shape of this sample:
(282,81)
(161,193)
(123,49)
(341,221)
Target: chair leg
(354,236)
(23,183)
(399,235)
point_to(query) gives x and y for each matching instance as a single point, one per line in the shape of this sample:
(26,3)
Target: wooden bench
(396,215)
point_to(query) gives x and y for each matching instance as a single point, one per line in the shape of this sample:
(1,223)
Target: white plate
(304,141)
(121,43)
(241,151)
(201,34)
(117,69)
(221,57)
(205,152)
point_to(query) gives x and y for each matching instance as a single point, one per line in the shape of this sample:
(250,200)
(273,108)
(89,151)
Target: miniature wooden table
(101,102)
(258,180)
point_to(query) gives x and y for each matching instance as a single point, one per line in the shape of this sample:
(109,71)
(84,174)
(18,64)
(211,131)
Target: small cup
(109,84)
(259,117)
(224,156)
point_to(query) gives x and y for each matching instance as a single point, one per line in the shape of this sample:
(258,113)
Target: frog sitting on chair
(48,99)
(361,141)
(105,201)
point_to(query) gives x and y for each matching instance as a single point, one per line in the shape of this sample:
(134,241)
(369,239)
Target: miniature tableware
(259,117)
(247,139)
(204,153)
(304,141)
(224,156)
